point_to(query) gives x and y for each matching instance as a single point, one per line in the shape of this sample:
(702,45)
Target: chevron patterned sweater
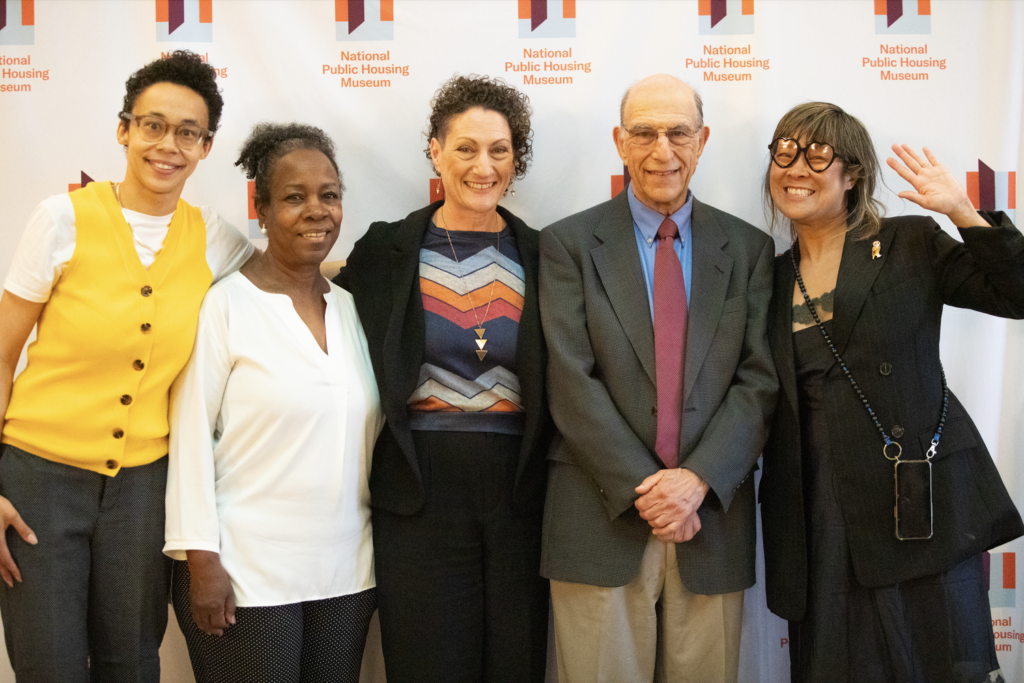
(468,380)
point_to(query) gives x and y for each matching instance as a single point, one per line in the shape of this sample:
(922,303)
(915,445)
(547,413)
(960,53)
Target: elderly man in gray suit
(662,385)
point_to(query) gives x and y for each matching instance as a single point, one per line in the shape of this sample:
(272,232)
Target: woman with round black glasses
(112,276)
(878,495)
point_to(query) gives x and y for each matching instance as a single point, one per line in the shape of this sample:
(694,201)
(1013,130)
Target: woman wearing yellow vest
(113,274)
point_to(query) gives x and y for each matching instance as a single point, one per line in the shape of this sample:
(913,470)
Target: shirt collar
(648,220)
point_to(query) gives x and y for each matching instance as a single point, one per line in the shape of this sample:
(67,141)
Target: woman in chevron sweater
(113,276)
(448,299)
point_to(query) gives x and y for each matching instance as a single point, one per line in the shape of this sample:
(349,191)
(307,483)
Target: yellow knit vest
(109,342)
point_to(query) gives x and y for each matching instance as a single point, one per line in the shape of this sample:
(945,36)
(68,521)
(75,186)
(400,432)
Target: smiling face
(475,160)
(304,212)
(157,171)
(660,172)
(812,201)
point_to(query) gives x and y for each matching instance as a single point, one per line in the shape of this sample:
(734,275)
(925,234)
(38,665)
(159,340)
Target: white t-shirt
(49,241)
(271,444)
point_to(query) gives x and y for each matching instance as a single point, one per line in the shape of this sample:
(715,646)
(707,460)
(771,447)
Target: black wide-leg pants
(460,595)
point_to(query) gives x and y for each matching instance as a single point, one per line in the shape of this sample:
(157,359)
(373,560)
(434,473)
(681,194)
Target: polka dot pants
(306,642)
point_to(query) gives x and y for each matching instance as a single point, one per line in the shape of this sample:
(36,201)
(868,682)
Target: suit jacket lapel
(531,354)
(618,264)
(711,268)
(780,330)
(857,272)
(404,340)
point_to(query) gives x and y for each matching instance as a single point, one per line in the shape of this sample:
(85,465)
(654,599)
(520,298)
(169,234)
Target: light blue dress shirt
(645,225)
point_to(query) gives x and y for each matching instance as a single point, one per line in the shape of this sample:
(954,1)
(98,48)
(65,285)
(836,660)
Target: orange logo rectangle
(618,185)
(972,189)
(436,190)
(252,203)
(924,7)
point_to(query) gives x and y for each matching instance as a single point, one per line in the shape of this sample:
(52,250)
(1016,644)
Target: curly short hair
(181,68)
(828,123)
(268,142)
(461,93)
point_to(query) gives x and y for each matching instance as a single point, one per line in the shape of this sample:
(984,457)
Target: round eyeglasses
(645,137)
(818,155)
(154,128)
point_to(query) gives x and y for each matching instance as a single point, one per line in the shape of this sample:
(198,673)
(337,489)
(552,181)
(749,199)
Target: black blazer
(886,328)
(382,273)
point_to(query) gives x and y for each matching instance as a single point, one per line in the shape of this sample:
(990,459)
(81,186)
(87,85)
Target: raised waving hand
(935,188)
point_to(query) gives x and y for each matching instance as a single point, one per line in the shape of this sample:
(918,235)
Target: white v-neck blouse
(270,447)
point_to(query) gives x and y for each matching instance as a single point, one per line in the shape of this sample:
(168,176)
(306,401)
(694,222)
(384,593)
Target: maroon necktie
(669,342)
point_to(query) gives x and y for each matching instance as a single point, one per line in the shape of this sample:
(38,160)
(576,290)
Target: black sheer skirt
(934,629)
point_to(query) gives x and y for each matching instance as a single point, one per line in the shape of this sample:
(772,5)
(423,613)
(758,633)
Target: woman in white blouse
(272,427)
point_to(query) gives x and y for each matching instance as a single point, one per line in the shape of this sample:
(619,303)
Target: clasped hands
(669,500)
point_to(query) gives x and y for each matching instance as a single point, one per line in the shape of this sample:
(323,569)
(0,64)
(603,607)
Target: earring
(509,190)
(263,229)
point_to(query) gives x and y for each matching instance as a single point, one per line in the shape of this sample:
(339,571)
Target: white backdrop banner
(947,74)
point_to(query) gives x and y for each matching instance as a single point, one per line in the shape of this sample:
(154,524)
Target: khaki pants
(651,629)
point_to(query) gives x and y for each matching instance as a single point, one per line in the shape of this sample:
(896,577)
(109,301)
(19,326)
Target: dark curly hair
(461,93)
(268,142)
(181,68)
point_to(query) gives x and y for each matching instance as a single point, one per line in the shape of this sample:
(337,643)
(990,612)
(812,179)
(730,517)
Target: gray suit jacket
(601,380)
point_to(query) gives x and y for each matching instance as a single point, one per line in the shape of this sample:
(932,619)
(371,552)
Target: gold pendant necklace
(480,330)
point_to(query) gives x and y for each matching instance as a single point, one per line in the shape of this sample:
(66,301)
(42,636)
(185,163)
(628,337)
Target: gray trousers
(92,605)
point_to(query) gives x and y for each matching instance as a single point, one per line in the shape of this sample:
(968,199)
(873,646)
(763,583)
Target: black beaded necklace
(860,394)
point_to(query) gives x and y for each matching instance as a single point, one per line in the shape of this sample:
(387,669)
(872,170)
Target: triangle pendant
(480,354)
(480,332)
(480,343)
